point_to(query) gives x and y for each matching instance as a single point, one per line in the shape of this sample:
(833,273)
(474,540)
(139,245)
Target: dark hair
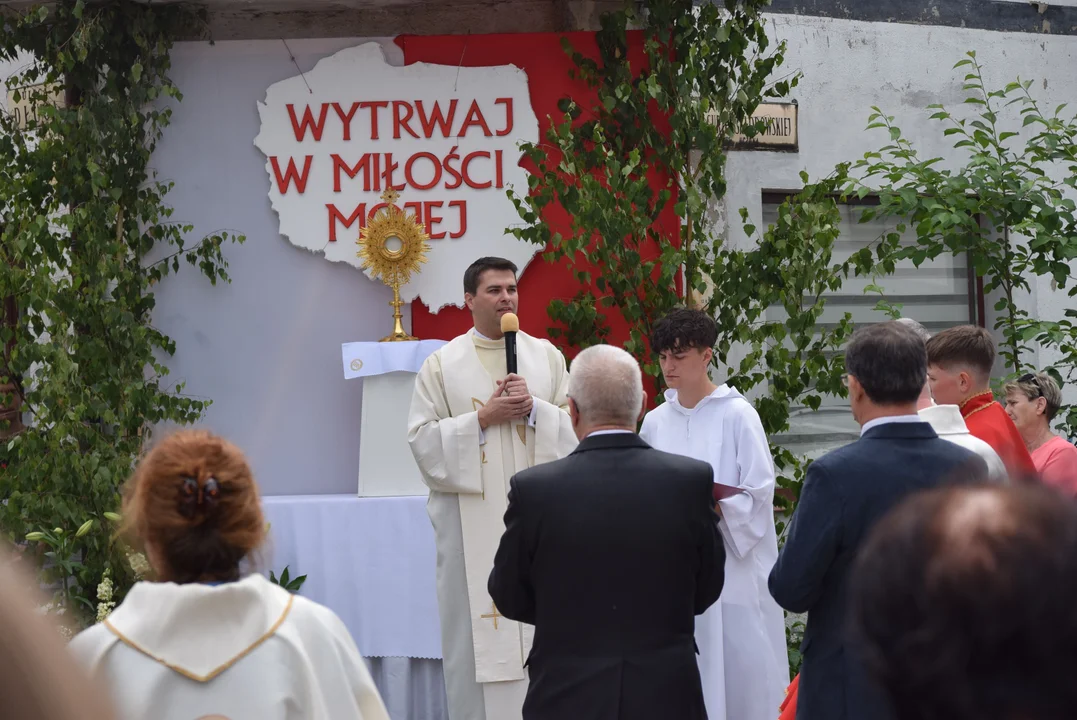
(968,345)
(684,328)
(889,361)
(962,604)
(474,272)
(194,501)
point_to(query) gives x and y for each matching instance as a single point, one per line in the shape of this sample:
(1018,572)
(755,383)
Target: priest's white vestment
(468,472)
(245,650)
(742,652)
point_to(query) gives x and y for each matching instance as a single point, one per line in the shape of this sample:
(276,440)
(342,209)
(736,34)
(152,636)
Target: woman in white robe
(204,643)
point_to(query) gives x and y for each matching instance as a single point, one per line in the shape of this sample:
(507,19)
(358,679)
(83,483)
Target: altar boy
(742,654)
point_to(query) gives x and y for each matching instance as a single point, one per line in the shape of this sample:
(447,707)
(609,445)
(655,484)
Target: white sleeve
(447,449)
(746,515)
(336,669)
(554,436)
(366,694)
(646,431)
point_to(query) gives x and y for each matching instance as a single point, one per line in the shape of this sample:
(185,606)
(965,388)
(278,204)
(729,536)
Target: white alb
(741,638)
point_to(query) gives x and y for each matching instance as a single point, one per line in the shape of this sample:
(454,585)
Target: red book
(789,706)
(721,492)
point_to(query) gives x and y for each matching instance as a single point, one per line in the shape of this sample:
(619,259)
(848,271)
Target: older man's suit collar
(898,431)
(606,442)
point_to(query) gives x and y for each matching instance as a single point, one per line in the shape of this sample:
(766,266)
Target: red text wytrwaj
(416,118)
(421,171)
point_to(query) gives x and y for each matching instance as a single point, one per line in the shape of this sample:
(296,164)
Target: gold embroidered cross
(494,615)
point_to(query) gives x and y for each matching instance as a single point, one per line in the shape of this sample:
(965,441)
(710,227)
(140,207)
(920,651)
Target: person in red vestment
(959,364)
(789,707)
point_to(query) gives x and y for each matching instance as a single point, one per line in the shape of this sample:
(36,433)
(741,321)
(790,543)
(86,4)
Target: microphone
(510,325)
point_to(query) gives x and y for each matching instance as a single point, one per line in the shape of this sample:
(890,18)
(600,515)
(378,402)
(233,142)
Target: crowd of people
(587,570)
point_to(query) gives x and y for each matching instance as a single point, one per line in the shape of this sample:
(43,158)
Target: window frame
(977,302)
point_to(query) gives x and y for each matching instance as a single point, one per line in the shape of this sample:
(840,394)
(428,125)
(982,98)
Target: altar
(370,560)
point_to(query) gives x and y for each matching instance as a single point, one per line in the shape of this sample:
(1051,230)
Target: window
(939,294)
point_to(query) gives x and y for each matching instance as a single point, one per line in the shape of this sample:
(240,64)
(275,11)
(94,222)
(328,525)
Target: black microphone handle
(510,352)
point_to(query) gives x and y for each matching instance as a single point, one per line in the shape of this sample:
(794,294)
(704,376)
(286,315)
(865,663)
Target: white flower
(104,609)
(139,565)
(104,594)
(104,589)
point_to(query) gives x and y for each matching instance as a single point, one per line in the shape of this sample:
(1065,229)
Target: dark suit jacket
(611,553)
(845,493)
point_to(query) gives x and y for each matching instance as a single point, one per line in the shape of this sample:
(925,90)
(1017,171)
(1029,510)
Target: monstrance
(393,245)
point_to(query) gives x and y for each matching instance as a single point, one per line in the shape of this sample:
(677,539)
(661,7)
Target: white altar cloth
(370,560)
(364,359)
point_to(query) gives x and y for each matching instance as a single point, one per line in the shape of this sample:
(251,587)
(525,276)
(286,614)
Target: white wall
(850,66)
(7,69)
(266,348)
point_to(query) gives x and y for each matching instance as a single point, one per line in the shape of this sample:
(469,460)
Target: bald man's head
(964,603)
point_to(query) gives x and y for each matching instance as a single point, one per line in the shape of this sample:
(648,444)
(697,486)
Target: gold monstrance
(393,244)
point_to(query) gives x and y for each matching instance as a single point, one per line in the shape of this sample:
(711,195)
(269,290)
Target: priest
(472,426)
(743,661)
(959,364)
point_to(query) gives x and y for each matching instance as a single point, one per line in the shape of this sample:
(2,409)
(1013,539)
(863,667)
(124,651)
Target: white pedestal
(386,465)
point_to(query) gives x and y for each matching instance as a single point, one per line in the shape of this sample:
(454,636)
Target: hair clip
(195,498)
(211,491)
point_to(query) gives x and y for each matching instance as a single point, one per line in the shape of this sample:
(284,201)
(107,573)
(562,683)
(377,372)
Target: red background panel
(547,66)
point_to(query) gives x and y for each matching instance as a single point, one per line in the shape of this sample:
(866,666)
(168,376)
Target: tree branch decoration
(86,236)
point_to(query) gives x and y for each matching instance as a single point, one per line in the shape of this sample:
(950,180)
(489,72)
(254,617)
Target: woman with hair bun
(203,641)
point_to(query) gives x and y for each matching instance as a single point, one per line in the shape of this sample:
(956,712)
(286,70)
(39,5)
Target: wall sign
(445,137)
(780,132)
(25,109)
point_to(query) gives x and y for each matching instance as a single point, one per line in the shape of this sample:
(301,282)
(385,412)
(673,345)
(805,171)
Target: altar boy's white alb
(741,638)
(471,428)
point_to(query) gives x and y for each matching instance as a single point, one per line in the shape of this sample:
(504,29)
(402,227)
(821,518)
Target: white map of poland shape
(361,75)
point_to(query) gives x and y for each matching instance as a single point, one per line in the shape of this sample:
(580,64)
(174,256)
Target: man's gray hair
(916,327)
(607,386)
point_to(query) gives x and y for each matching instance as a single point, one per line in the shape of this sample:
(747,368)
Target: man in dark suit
(845,494)
(610,553)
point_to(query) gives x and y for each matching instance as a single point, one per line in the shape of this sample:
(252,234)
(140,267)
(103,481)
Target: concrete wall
(849,66)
